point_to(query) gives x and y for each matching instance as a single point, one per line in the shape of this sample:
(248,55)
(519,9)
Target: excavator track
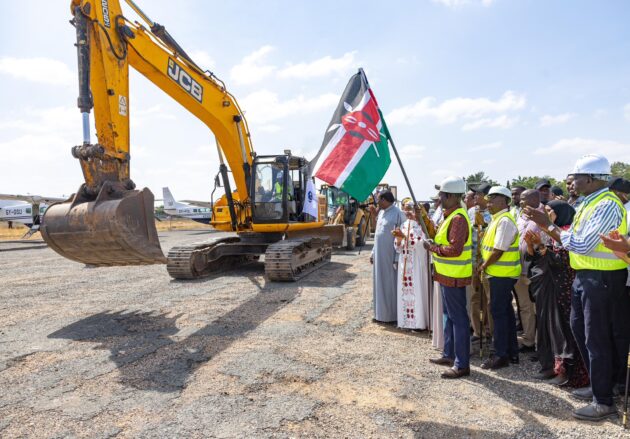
(292,259)
(191,261)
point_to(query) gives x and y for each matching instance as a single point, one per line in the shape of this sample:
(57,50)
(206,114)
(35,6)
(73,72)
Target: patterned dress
(413,278)
(552,277)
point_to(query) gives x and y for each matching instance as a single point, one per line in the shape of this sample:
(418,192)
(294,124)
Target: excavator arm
(108,222)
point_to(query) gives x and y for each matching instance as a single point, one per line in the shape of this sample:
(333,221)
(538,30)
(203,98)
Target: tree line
(619,169)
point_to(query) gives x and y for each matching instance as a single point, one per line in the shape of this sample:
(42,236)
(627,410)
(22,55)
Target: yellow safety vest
(459,267)
(600,258)
(509,264)
(277,196)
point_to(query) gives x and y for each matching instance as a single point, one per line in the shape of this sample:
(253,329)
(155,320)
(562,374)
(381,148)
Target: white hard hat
(593,164)
(453,185)
(500,190)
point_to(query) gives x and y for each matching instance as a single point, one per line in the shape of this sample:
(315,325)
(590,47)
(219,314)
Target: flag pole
(402,168)
(413,197)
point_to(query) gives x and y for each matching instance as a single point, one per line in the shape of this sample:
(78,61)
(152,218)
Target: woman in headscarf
(551,279)
(413,272)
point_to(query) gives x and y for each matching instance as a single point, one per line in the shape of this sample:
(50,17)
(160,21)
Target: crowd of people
(514,272)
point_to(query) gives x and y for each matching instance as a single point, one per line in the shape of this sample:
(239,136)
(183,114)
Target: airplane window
(28,210)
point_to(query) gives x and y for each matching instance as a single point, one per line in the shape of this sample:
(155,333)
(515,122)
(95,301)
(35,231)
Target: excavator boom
(108,222)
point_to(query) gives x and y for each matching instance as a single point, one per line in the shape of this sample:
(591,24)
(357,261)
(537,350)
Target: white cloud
(412,151)
(270,128)
(626,112)
(42,70)
(252,68)
(453,4)
(321,67)
(142,116)
(504,122)
(576,146)
(203,59)
(265,106)
(65,120)
(558,119)
(487,146)
(456,109)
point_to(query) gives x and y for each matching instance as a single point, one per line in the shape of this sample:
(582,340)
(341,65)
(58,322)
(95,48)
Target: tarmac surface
(129,352)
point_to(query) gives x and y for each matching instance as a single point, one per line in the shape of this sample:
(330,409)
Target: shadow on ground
(430,430)
(531,427)
(148,359)
(330,275)
(525,399)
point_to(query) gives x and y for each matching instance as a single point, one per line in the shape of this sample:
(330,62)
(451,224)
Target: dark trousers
(621,333)
(544,349)
(456,326)
(505,342)
(592,311)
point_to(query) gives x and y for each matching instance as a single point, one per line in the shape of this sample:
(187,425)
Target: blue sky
(510,87)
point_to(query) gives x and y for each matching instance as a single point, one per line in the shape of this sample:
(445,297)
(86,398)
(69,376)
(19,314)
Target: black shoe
(495,363)
(596,412)
(583,393)
(524,349)
(545,374)
(454,373)
(380,322)
(442,361)
(559,380)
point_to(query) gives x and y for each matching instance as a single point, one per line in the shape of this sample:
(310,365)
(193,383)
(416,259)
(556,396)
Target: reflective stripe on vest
(600,258)
(509,264)
(459,267)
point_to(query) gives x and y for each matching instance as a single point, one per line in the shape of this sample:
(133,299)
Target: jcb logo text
(179,75)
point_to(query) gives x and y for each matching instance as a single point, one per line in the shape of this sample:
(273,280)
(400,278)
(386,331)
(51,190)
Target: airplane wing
(33,199)
(199,203)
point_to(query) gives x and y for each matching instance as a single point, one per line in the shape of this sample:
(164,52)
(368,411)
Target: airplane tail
(169,200)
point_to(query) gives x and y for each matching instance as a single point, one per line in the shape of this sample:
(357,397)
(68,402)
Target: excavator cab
(278,183)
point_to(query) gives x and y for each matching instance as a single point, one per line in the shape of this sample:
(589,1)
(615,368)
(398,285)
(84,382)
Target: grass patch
(20,230)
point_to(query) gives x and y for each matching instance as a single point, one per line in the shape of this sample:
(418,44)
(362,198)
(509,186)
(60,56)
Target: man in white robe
(413,273)
(384,259)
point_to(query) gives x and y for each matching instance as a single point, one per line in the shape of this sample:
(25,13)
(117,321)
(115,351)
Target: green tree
(479,177)
(530,182)
(621,169)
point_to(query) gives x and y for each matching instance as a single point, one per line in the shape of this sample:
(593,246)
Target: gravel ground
(128,352)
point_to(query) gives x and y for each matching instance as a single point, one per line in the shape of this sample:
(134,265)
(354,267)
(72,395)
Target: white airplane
(25,209)
(200,211)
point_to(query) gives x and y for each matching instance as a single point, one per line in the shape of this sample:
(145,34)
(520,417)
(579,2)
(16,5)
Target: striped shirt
(606,217)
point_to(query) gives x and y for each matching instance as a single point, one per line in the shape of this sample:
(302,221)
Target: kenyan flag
(354,155)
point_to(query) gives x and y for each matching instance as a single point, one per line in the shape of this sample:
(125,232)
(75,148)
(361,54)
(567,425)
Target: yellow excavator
(341,208)
(108,222)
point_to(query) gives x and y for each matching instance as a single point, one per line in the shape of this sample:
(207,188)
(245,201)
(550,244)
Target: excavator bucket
(117,228)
